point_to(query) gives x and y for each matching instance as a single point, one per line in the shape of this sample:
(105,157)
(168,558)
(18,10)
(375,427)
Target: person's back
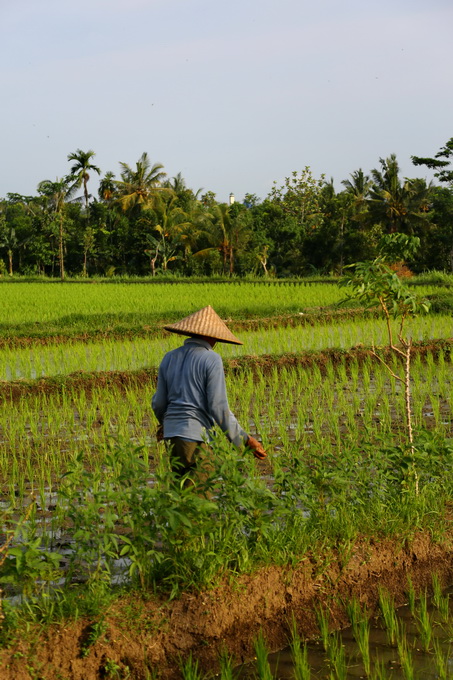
(191,393)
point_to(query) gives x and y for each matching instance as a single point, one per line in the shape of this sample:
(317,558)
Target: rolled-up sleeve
(217,402)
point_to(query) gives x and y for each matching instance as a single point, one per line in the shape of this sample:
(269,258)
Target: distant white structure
(231,199)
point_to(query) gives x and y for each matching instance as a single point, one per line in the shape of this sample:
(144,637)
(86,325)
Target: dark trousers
(189,457)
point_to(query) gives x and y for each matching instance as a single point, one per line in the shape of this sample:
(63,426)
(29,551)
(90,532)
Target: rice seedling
(226,666)
(322,617)
(379,672)
(411,595)
(423,621)
(299,654)
(437,590)
(444,608)
(337,657)
(442,659)
(190,670)
(263,669)
(405,655)
(387,607)
(80,309)
(129,355)
(361,629)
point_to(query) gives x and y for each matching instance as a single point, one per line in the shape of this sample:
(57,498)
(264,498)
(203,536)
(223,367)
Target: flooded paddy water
(410,641)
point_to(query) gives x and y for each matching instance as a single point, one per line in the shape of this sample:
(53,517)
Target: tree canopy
(146,223)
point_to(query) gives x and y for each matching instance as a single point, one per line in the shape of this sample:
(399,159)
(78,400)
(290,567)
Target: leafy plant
(374,283)
(95,631)
(28,566)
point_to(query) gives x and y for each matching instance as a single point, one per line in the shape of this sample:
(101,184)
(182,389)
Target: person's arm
(219,410)
(159,401)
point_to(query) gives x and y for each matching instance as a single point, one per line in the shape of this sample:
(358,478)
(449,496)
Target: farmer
(191,394)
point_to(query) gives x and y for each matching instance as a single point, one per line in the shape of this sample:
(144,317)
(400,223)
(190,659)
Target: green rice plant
(226,666)
(361,630)
(263,669)
(126,355)
(337,657)
(411,595)
(423,621)
(405,655)
(189,669)
(444,608)
(387,607)
(437,590)
(442,659)
(322,617)
(299,654)
(89,307)
(379,671)
(435,405)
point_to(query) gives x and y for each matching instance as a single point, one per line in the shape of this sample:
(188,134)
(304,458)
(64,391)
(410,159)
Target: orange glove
(256,447)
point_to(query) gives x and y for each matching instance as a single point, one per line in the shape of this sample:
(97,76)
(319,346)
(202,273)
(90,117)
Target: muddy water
(424,663)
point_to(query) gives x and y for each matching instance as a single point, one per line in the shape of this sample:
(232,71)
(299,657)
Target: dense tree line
(146,223)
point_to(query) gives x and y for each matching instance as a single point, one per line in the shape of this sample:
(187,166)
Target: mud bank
(149,636)
(14,390)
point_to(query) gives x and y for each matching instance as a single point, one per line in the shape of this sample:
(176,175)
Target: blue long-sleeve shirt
(191,394)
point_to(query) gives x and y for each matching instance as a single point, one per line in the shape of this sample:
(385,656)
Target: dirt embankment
(265,363)
(146,636)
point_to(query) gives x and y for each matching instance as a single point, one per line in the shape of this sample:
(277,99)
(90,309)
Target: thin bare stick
(394,375)
(389,327)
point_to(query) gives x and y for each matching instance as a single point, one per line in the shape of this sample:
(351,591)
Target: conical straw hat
(204,322)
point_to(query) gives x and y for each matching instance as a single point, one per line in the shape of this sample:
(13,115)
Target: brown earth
(85,381)
(143,636)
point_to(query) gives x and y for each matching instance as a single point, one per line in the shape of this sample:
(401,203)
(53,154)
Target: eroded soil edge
(151,635)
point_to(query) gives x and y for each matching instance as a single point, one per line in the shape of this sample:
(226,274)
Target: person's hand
(256,447)
(160,433)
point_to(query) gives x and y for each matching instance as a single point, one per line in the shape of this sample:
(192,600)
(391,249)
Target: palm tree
(173,226)
(358,186)
(139,187)
(58,193)
(222,228)
(358,190)
(107,187)
(8,240)
(398,205)
(81,168)
(228,229)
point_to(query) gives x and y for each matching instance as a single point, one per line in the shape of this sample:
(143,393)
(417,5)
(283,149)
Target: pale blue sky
(232,94)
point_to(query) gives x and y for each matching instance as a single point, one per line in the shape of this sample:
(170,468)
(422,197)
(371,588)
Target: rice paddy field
(90,511)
